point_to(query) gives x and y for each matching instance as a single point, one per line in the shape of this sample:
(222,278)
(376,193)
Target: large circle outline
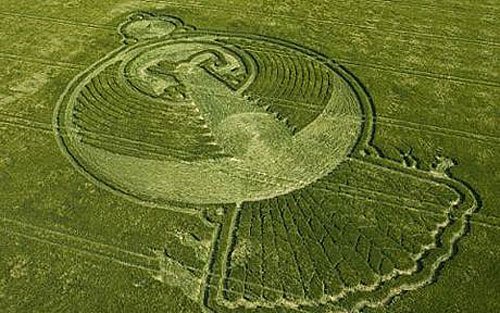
(363,141)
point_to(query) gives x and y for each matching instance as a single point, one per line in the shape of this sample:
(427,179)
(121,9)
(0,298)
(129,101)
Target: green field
(250,156)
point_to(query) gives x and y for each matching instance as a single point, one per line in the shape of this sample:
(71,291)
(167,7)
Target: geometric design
(270,144)
(162,119)
(341,240)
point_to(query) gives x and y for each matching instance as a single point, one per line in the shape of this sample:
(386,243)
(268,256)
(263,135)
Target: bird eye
(176,93)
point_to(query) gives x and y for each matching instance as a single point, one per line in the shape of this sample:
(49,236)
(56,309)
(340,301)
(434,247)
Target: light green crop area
(249,157)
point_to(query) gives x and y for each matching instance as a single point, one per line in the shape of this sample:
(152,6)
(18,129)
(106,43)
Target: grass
(260,197)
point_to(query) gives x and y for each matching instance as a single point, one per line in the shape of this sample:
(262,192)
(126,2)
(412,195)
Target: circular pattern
(197,117)
(209,118)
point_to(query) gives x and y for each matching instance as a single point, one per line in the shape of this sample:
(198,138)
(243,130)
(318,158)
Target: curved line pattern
(304,251)
(158,130)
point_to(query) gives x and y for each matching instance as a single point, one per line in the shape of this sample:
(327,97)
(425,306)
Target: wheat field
(249,157)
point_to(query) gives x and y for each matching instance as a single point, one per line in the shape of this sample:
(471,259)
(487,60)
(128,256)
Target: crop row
(321,240)
(113,116)
(289,78)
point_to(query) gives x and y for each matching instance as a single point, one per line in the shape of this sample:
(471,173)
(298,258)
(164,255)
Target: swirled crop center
(210,119)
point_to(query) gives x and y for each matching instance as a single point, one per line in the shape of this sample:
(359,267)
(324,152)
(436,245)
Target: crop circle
(203,119)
